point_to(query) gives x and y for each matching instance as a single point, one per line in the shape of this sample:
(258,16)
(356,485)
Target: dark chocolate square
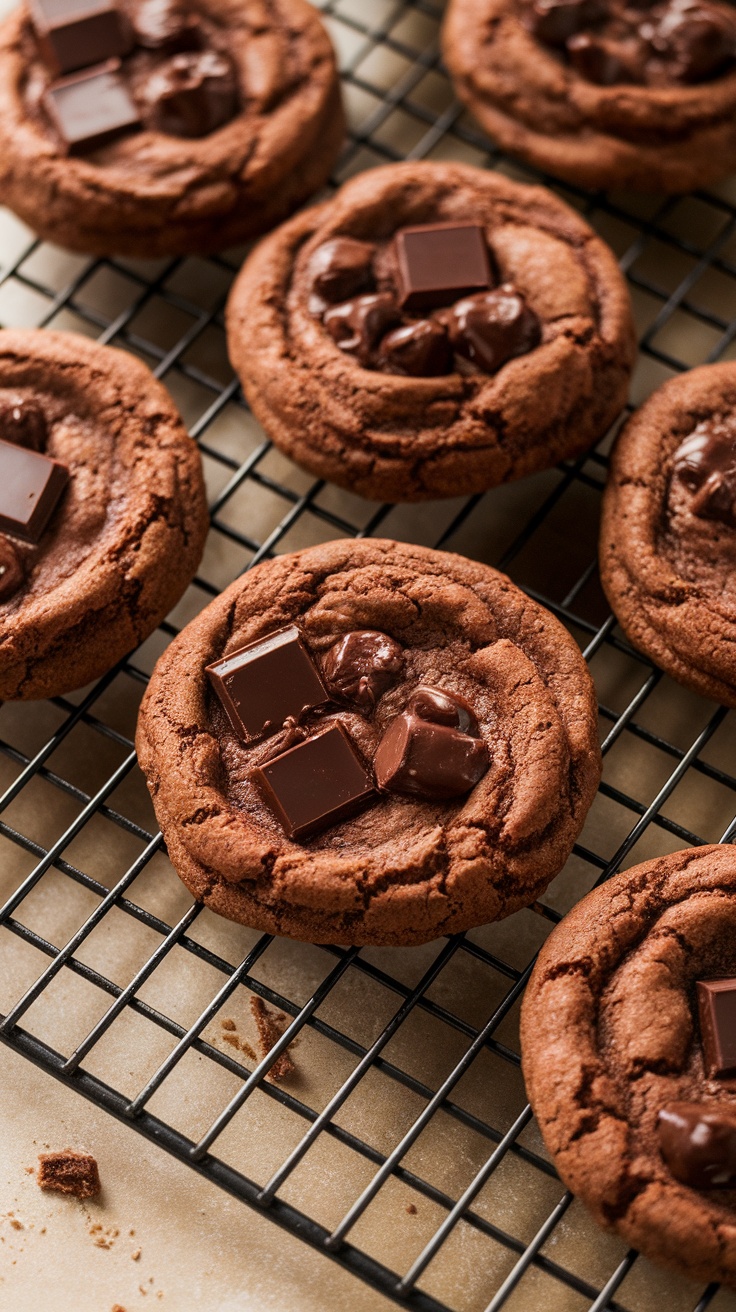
(266,683)
(437,263)
(315,784)
(30,487)
(75,34)
(91,108)
(717,1008)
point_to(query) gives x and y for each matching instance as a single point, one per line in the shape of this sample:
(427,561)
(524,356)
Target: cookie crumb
(117,1307)
(69,1172)
(135,1255)
(17,1225)
(411,1209)
(228,1023)
(270,1026)
(235,1041)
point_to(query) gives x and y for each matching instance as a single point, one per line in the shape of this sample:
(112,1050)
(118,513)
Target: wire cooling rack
(402,1147)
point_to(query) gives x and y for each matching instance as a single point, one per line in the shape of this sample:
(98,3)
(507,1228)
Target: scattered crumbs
(29,1170)
(69,1172)
(411,1209)
(142,1289)
(270,1026)
(228,1023)
(15,1223)
(136,1254)
(235,1041)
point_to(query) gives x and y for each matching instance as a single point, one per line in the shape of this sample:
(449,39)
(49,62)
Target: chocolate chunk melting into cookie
(421,350)
(706,463)
(91,108)
(315,784)
(23,422)
(604,60)
(12,574)
(165,25)
(717,1009)
(361,666)
(74,34)
(358,326)
(698,1142)
(341,268)
(270,681)
(30,488)
(695,40)
(438,262)
(425,753)
(555,21)
(493,327)
(191,95)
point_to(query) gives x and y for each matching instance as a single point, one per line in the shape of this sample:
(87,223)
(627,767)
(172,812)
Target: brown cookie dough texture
(128,533)
(610,1034)
(410,439)
(152,194)
(403,871)
(654,138)
(667,572)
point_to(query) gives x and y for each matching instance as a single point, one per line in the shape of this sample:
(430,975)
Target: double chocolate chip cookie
(367,742)
(628,1034)
(431,331)
(159,127)
(605,93)
(668,535)
(102,510)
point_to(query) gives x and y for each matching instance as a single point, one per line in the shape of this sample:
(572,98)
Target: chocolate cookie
(102,510)
(367,742)
(158,127)
(668,535)
(604,93)
(628,1034)
(431,331)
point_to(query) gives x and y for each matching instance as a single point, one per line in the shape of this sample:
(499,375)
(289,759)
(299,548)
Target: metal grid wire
(668,780)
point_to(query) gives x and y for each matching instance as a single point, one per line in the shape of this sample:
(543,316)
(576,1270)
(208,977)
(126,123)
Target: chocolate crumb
(236,1042)
(270,1026)
(228,1023)
(69,1172)
(411,1209)
(17,1225)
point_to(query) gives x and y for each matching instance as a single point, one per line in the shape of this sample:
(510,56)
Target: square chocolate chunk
(315,784)
(30,487)
(77,33)
(438,263)
(266,683)
(91,108)
(717,1008)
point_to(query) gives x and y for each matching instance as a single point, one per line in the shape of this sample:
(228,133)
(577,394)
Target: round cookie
(118,485)
(221,118)
(611,1037)
(602,93)
(507,701)
(668,531)
(406,392)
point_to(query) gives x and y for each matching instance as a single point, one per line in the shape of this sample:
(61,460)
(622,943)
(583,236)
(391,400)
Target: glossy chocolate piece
(698,1143)
(358,326)
(30,488)
(341,268)
(493,327)
(420,350)
(706,463)
(165,25)
(92,108)
(438,262)
(555,21)
(696,40)
(424,753)
(75,34)
(361,666)
(12,574)
(266,683)
(601,60)
(191,95)
(315,784)
(442,707)
(23,422)
(717,1010)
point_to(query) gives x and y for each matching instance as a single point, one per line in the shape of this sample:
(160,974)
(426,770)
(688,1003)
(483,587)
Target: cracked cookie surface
(415,438)
(404,870)
(150,193)
(610,1035)
(128,533)
(666,560)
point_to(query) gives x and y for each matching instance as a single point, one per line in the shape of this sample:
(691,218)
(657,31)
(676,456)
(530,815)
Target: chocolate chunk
(69,1172)
(91,109)
(23,422)
(493,327)
(340,268)
(358,326)
(165,25)
(266,683)
(555,21)
(441,707)
(438,262)
(425,753)
(706,463)
(696,40)
(74,34)
(600,59)
(717,1008)
(315,784)
(698,1142)
(12,575)
(421,350)
(30,488)
(190,95)
(361,666)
